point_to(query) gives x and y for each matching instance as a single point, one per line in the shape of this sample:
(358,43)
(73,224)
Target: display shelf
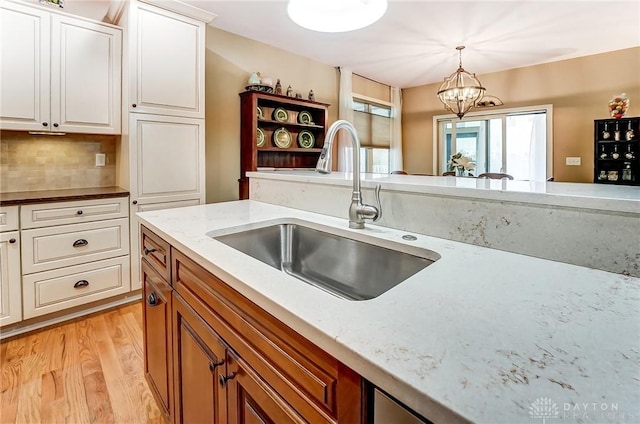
(617,151)
(253,105)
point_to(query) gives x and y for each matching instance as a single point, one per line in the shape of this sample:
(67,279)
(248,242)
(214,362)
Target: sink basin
(339,264)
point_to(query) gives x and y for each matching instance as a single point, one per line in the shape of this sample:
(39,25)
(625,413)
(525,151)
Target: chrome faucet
(358,211)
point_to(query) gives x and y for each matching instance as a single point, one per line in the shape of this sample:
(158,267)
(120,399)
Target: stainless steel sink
(339,264)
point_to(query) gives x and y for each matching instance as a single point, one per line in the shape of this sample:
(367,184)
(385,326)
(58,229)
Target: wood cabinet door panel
(157,335)
(199,359)
(251,400)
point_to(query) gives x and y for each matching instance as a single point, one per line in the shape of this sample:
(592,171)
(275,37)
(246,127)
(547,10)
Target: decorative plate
(282,138)
(304,117)
(306,139)
(280,115)
(260,114)
(260,138)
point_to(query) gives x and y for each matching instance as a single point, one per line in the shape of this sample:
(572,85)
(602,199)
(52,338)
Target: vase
(461,172)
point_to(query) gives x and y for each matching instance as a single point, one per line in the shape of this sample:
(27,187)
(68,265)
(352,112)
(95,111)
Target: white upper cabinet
(168,63)
(59,73)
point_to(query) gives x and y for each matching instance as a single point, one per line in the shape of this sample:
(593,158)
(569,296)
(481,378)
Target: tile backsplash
(41,162)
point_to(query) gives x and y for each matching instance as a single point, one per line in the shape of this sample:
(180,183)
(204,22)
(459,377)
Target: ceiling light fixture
(461,90)
(335,15)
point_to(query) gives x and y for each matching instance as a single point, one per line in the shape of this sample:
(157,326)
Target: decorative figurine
(278,87)
(312,96)
(289,91)
(298,95)
(254,78)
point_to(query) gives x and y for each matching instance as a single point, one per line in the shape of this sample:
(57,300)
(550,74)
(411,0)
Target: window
(515,141)
(373,123)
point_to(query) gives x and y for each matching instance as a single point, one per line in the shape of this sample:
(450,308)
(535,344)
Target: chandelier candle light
(461,90)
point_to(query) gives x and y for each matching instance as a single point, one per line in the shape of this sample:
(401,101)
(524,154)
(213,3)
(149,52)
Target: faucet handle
(378,204)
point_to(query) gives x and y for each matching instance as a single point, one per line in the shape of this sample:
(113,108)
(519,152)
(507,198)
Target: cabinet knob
(224,378)
(45,124)
(55,124)
(135,202)
(152,300)
(134,105)
(12,240)
(214,365)
(147,251)
(80,243)
(79,212)
(80,284)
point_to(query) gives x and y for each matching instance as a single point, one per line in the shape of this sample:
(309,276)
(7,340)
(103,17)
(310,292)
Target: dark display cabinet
(278,132)
(617,151)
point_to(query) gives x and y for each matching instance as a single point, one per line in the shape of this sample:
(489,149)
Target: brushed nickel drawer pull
(80,284)
(80,243)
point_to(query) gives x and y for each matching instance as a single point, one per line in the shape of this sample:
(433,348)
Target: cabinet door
(85,76)
(24,67)
(198,363)
(157,336)
(10,285)
(250,399)
(167,55)
(167,158)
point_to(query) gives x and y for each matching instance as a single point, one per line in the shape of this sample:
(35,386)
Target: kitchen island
(480,335)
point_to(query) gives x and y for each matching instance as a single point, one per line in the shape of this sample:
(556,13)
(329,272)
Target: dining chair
(399,173)
(495,176)
(449,173)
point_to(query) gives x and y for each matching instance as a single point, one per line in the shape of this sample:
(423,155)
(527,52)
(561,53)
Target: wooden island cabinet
(232,362)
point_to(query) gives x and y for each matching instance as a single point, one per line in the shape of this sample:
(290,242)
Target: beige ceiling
(414,43)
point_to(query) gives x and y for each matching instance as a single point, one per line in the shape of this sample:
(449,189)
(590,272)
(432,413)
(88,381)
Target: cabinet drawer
(52,291)
(9,218)
(156,251)
(56,247)
(48,214)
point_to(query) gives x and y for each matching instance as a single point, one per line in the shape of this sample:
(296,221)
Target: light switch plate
(573,161)
(101,159)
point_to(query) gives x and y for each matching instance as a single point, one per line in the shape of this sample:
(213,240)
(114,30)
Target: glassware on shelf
(629,134)
(616,133)
(603,155)
(626,172)
(606,134)
(602,176)
(618,106)
(612,175)
(615,153)
(629,154)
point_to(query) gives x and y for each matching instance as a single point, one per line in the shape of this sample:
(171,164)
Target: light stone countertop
(480,335)
(615,198)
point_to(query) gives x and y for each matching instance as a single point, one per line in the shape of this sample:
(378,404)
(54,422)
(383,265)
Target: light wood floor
(88,370)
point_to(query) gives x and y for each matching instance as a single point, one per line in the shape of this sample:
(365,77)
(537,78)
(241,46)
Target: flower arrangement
(461,164)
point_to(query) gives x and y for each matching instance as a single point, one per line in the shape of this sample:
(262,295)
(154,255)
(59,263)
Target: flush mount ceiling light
(335,15)
(461,90)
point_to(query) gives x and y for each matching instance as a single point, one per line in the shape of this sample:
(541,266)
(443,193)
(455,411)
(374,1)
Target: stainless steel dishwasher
(387,411)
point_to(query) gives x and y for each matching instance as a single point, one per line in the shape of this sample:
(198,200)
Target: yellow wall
(579,90)
(230,60)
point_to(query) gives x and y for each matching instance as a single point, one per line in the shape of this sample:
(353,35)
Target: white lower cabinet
(10,286)
(73,253)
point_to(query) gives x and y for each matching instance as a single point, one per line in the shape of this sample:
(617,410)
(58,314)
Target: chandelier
(336,15)
(461,90)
